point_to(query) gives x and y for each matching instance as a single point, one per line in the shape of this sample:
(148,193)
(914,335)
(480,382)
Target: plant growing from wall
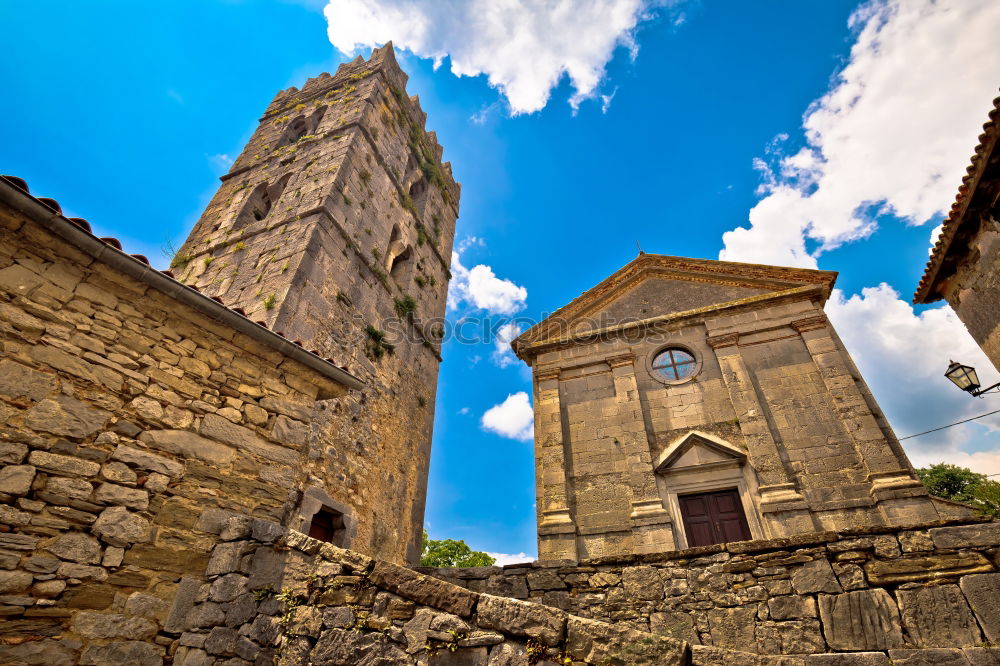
(269,301)
(405,306)
(375,346)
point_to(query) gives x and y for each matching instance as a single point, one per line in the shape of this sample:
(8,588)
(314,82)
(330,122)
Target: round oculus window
(673,364)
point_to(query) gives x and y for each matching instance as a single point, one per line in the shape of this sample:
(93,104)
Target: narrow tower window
(327,525)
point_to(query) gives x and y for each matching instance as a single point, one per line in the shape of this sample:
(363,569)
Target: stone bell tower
(335,227)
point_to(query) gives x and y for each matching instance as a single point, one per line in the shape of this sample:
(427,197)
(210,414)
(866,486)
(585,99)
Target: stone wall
(882,591)
(274,596)
(133,425)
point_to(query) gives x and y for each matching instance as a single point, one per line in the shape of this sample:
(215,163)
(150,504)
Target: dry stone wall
(875,591)
(274,596)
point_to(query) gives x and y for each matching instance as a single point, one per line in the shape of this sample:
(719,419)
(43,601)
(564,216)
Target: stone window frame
(698,363)
(314,499)
(710,477)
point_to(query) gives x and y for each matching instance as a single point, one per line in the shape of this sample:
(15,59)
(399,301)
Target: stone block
(66,416)
(931,657)
(19,381)
(733,628)
(245,440)
(69,488)
(149,461)
(221,641)
(13,582)
(521,618)
(110,493)
(966,536)
(815,576)
(675,624)
(791,607)
(45,651)
(133,653)
(423,589)
(642,583)
(90,624)
(860,620)
(76,547)
(931,567)
(16,479)
(189,445)
(848,659)
(339,646)
(226,557)
(118,526)
(598,642)
(60,464)
(938,616)
(983,593)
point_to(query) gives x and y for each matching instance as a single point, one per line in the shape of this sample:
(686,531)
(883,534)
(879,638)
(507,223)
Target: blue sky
(834,133)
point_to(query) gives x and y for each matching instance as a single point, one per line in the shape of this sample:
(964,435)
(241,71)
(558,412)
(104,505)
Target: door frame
(722,478)
(731,492)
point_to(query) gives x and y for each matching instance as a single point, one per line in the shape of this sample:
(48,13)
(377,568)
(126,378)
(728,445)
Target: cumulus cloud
(893,135)
(503,355)
(480,287)
(512,418)
(518,558)
(524,47)
(903,356)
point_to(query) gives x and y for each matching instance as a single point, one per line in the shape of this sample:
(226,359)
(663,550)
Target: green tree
(962,485)
(451,553)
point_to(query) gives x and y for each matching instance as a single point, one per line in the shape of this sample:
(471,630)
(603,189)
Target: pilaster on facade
(887,469)
(651,523)
(556,527)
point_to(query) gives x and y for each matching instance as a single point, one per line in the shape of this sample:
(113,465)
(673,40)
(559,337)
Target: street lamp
(965,378)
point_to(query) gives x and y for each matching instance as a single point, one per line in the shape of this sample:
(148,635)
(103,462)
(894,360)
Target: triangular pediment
(653,286)
(695,449)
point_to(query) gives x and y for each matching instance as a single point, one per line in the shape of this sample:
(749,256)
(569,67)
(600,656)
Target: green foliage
(269,301)
(962,485)
(405,306)
(180,261)
(451,553)
(421,234)
(406,201)
(376,347)
(240,246)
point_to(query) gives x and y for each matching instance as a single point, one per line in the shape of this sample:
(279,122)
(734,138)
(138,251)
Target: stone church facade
(686,402)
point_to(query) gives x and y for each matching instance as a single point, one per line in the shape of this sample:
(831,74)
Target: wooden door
(715,517)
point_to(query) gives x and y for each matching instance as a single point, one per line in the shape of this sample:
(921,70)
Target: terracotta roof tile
(957,212)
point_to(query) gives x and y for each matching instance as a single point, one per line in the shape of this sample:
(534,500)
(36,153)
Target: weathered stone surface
(16,479)
(848,659)
(112,625)
(221,641)
(66,416)
(70,488)
(791,607)
(938,616)
(110,493)
(791,637)
(14,581)
(77,547)
(861,620)
(228,587)
(521,618)
(641,583)
(19,381)
(60,464)
(983,593)
(338,647)
(963,536)
(118,472)
(145,605)
(931,657)
(46,651)
(599,642)
(815,576)
(676,624)
(291,432)
(508,654)
(118,526)
(732,627)
(146,460)
(545,579)
(183,602)
(188,444)
(12,453)
(245,439)
(133,653)
(912,569)
(424,589)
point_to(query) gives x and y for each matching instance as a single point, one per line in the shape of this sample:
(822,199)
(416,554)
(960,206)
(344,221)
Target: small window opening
(327,525)
(396,263)
(297,130)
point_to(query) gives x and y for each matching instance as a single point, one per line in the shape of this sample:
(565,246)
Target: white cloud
(524,47)
(480,287)
(503,355)
(903,355)
(463,411)
(893,135)
(503,558)
(512,418)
